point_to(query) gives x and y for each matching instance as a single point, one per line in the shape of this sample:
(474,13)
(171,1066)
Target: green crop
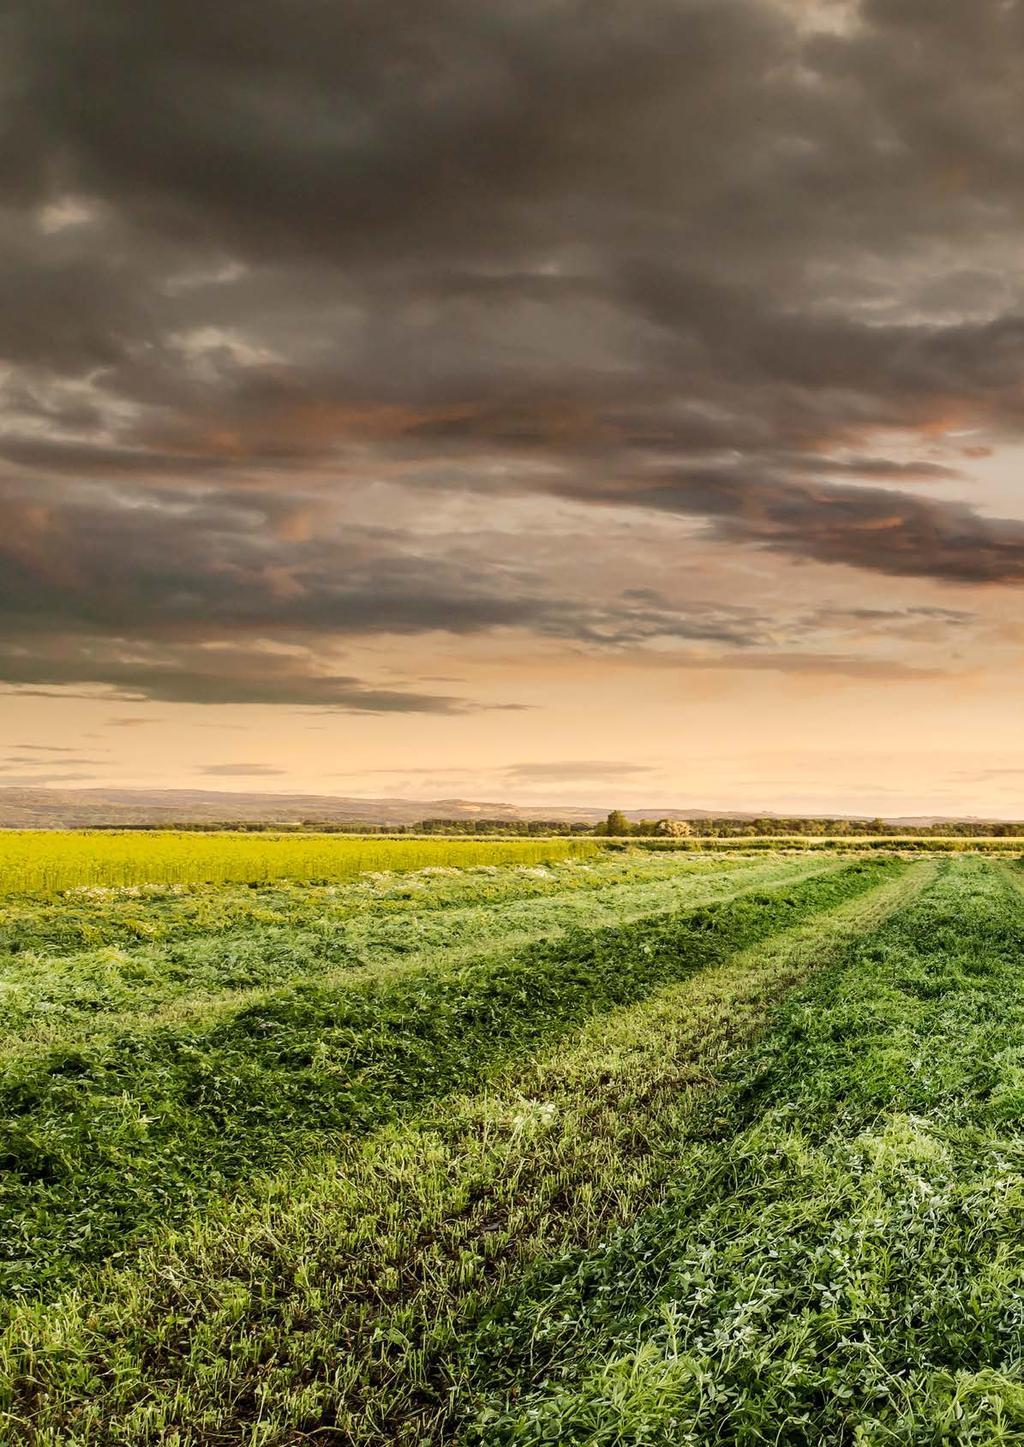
(642,1150)
(44,862)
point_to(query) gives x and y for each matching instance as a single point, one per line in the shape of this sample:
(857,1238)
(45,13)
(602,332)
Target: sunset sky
(550,401)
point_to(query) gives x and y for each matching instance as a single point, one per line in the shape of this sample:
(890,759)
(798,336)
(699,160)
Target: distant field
(45,862)
(48,862)
(634,1148)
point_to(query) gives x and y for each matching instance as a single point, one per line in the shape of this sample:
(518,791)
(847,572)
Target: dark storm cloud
(688,256)
(356,129)
(460,129)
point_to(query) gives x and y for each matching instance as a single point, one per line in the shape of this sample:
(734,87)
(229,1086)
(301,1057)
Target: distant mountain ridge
(79,808)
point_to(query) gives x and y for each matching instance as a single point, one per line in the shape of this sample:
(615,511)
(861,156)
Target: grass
(125,917)
(49,997)
(836,1259)
(103,1137)
(668,1151)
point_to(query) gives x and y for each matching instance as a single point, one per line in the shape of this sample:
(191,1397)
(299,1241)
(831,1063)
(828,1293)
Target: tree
(617,823)
(675,828)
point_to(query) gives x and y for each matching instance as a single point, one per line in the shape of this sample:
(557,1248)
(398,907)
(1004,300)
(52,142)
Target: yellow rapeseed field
(47,862)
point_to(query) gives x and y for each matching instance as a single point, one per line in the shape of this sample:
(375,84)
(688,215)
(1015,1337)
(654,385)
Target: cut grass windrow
(111,1138)
(49,1002)
(329,1302)
(82,918)
(838,1257)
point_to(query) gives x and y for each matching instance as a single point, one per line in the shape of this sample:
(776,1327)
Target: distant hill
(55,808)
(80,808)
(77,808)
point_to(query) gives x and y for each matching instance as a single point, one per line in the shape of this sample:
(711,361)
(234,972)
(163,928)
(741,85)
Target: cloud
(982,775)
(882,530)
(839,665)
(244,771)
(201,596)
(64,762)
(43,749)
(10,778)
(698,259)
(126,670)
(570,770)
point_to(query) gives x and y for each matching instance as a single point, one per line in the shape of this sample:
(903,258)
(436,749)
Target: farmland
(46,862)
(510,1143)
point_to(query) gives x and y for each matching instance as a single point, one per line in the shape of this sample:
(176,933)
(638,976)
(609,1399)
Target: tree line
(617,825)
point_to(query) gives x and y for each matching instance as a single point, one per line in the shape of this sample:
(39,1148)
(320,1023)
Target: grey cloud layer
(885,530)
(679,255)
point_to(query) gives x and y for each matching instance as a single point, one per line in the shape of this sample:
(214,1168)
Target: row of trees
(617,825)
(499,826)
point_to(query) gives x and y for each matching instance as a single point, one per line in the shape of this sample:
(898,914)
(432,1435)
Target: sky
(547,401)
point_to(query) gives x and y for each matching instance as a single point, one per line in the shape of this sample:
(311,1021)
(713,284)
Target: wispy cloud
(241,771)
(574,770)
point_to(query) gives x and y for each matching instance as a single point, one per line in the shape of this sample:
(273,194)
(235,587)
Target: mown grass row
(44,862)
(84,919)
(108,1138)
(838,1258)
(328,1304)
(47,1001)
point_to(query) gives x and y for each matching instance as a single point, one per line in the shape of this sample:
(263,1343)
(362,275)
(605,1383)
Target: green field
(555,1145)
